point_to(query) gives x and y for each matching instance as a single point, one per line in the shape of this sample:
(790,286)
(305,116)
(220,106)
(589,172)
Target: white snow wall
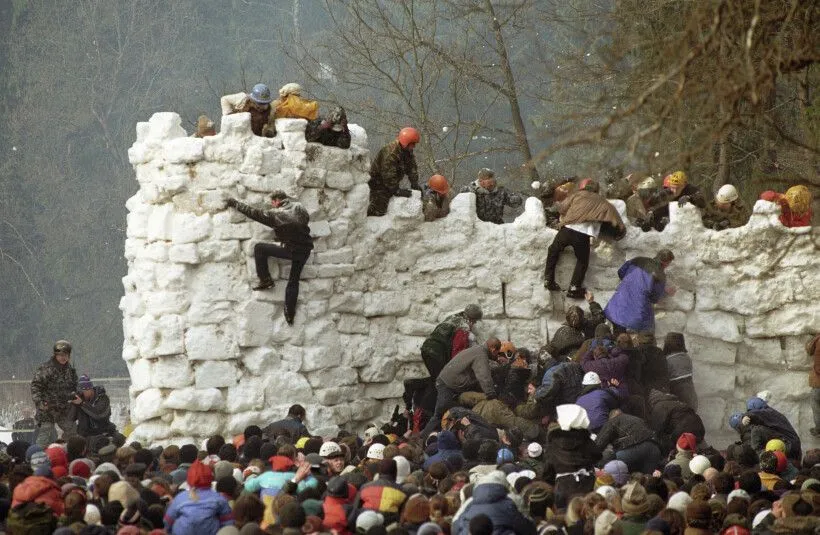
(208,355)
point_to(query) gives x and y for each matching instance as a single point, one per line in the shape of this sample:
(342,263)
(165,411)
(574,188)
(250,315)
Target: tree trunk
(722,176)
(512,95)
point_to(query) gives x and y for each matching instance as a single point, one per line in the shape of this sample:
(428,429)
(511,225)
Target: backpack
(31,518)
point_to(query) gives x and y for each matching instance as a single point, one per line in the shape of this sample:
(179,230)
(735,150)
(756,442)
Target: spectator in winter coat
(331,131)
(490,497)
(684,452)
(551,194)
(679,365)
(584,215)
(560,385)
(449,452)
(468,370)
(337,505)
(392,163)
(293,425)
(610,363)
(199,510)
(643,283)
(813,350)
(449,338)
(795,205)
(726,210)
(498,414)
(635,504)
(92,408)
(289,221)
(669,417)
(570,336)
(773,424)
(633,442)
(490,198)
(597,401)
(654,371)
(257,103)
(382,495)
(571,454)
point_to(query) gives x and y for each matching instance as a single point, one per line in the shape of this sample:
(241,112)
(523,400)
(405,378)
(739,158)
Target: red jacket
(39,489)
(336,510)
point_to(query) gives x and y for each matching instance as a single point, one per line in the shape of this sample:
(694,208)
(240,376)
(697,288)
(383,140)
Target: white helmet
(591,378)
(330,449)
(376,451)
(726,194)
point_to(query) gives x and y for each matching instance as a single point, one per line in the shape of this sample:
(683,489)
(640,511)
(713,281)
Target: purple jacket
(598,403)
(642,284)
(608,368)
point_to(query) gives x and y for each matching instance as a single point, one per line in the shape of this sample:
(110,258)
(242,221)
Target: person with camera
(53,388)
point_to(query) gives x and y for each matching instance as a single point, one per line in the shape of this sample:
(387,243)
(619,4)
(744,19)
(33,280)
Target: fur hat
(416,510)
(634,500)
(679,502)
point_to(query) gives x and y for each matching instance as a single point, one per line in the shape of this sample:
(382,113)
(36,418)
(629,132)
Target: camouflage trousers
(46,432)
(379,200)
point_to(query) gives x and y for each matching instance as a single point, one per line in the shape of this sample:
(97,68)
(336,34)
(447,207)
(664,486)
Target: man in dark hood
(570,336)
(331,130)
(92,409)
(53,386)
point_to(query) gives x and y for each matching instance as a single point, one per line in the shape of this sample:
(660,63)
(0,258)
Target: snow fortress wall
(208,355)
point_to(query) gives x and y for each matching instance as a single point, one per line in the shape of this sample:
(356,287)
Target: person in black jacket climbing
(289,221)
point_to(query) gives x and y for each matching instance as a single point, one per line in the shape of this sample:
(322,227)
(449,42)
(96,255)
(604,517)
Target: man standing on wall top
(393,162)
(289,221)
(53,387)
(257,103)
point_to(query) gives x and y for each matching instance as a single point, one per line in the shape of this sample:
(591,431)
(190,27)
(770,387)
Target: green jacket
(391,164)
(52,387)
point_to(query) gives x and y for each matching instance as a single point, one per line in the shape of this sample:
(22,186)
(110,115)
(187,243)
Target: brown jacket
(586,206)
(813,349)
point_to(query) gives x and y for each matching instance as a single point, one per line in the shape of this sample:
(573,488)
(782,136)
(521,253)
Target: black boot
(552,286)
(576,292)
(264,284)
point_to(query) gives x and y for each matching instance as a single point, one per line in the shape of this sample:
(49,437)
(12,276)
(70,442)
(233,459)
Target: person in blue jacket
(198,510)
(643,283)
(491,498)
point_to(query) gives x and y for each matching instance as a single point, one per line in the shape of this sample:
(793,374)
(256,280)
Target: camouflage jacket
(390,165)
(55,385)
(736,216)
(434,205)
(489,205)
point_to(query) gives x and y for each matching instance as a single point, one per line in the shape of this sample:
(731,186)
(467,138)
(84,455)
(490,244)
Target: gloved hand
(684,199)
(230,201)
(746,420)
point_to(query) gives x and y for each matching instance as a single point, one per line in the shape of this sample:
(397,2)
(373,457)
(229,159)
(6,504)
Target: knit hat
(376,451)
(738,493)
(41,464)
(782,461)
(658,524)
(367,520)
(618,470)
(735,419)
(199,475)
(634,500)
(504,455)
(679,502)
(698,515)
(686,442)
(571,416)
(776,444)
(223,469)
(122,492)
(402,468)
(92,515)
(755,404)
(735,529)
(699,464)
(84,383)
(534,450)
(81,468)
(591,378)
(606,522)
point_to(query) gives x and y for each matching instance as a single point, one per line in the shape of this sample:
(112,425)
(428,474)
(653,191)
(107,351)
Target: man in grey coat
(468,370)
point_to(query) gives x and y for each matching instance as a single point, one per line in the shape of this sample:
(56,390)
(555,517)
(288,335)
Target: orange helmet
(439,184)
(408,135)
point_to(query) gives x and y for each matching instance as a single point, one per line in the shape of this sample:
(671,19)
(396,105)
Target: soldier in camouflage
(490,198)
(392,163)
(726,210)
(52,389)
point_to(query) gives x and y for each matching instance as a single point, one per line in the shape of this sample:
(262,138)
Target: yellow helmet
(678,178)
(799,199)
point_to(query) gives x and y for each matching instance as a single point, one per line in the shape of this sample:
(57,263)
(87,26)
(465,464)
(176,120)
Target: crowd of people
(595,433)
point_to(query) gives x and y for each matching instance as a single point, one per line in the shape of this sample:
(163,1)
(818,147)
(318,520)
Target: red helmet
(408,135)
(439,184)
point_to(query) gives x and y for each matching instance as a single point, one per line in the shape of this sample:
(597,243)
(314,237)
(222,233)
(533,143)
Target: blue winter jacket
(598,403)
(449,452)
(642,284)
(491,499)
(203,516)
